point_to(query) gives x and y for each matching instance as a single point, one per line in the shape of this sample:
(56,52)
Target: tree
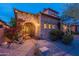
(11,33)
(72,11)
(13,22)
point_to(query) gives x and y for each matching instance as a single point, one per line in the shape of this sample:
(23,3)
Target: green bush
(76,33)
(55,35)
(11,35)
(67,39)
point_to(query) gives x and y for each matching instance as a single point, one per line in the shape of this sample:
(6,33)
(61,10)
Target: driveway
(57,48)
(72,49)
(54,49)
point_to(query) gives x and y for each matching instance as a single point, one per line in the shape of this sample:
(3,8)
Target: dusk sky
(6,9)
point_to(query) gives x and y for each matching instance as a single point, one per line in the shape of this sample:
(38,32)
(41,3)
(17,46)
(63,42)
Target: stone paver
(29,46)
(22,50)
(55,48)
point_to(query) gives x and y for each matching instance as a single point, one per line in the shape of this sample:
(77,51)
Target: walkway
(25,49)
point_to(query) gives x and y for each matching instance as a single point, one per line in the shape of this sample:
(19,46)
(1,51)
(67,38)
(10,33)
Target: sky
(7,9)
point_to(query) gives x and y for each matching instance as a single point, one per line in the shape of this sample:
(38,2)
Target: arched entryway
(29,29)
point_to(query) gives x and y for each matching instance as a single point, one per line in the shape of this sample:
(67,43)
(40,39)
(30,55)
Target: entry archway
(29,29)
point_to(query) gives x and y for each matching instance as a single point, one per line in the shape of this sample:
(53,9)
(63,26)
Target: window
(53,26)
(50,26)
(45,26)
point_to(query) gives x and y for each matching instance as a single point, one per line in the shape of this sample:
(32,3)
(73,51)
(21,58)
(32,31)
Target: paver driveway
(55,48)
(23,50)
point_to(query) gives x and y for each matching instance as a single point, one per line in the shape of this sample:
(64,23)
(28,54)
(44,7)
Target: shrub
(67,39)
(76,33)
(55,35)
(11,34)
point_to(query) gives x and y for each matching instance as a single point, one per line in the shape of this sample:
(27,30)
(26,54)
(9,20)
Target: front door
(29,29)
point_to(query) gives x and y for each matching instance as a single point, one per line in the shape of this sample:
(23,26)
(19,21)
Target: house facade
(70,23)
(38,25)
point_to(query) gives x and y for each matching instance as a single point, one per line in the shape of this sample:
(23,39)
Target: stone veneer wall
(23,18)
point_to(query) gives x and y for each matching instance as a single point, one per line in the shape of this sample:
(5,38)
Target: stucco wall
(44,33)
(38,21)
(49,12)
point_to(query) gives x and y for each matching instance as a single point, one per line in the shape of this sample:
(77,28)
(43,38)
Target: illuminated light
(64,28)
(5,43)
(16,11)
(24,13)
(27,29)
(45,26)
(38,24)
(50,26)
(53,26)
